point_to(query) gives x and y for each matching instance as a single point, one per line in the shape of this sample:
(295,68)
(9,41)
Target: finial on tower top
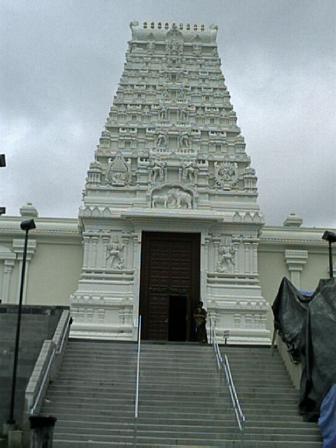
(158,31)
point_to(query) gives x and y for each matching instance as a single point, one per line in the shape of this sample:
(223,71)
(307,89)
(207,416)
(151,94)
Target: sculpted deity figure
(151,46)
(161,141)
(114,253)
(197,49)
(118,171)
(163,116)
(106,134)
(174,45)
(183,115)
(226,174)
(157,170)
(184,141)
(189,170)
(181,93)
(225,258)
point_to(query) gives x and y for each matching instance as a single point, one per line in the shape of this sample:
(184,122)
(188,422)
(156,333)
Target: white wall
(55,259)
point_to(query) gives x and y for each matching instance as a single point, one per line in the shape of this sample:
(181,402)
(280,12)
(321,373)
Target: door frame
(192,292)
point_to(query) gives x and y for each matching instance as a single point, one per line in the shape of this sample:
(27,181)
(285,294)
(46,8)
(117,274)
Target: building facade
(170,213)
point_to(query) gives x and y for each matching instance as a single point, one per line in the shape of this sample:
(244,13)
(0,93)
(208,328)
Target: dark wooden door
(170,268)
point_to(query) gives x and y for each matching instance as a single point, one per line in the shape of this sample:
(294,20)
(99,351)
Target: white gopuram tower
(170,213)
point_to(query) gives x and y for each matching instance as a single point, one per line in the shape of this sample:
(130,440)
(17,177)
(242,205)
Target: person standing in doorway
(200,316)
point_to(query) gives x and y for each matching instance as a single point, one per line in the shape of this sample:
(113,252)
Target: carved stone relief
(118,172)
(182,115)
(174,45)
(189,172)
(175,197)
(184,142)
(157,171)
(163,116)
(197,49)
(226,175)
(115,257)
(226,259)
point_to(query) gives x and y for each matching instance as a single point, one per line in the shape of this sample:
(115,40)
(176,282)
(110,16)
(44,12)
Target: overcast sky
(61,61)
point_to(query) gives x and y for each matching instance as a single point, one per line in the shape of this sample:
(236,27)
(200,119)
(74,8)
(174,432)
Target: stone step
(171,416)
(147,386)
(221,421)
(144,409)
(159,436)
(202,426)
(157,399)
(105,390)
(186,444)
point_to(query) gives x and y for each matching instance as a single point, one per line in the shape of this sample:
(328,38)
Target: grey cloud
(61,63)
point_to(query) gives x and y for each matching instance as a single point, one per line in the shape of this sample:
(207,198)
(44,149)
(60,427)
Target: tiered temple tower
(170,211)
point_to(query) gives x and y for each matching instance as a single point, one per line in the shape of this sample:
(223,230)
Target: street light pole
(331,238)
(2,164)
(26,226)
(331,268)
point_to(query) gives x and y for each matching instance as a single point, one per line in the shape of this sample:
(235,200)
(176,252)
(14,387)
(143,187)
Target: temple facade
(170,213)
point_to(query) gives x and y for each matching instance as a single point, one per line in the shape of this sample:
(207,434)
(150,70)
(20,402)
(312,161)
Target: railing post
(136,411)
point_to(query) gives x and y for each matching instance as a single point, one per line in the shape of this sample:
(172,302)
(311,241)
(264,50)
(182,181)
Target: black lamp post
(2,164)
(26,226)
(331,238)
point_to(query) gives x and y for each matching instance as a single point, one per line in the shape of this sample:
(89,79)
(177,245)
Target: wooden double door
(169,286)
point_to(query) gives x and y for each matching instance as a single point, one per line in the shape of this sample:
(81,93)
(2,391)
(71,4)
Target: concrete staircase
(269,400)
(183,400)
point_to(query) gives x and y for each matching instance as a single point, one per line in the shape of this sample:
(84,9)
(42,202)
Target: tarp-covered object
(308,327)
(327,420)
(290,309)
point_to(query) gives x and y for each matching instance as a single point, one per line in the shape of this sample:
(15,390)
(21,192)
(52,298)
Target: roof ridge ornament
(147,29)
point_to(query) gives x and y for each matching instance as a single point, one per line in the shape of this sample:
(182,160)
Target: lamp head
(28,225)
(329,236)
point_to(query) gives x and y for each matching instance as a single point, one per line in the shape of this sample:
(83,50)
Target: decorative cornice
(48,227)
(160,31)
(308,236)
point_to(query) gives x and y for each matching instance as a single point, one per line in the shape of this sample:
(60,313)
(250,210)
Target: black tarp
(308,327)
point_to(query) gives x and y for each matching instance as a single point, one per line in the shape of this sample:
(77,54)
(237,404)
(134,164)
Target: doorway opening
(177,320)
(169,285)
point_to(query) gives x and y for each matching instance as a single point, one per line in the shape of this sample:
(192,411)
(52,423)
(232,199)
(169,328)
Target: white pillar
(18,245)
(6,279)
(296,260)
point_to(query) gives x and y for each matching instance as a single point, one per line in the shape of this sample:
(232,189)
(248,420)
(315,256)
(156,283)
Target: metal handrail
(136,411)
(240,417)
(225,365)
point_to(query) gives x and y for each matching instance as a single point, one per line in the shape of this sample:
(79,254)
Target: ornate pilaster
(296,260)
(8,258)
(18,246)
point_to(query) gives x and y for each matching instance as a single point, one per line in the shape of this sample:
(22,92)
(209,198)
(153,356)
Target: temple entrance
(169,285)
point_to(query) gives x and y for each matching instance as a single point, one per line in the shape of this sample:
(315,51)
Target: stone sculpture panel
(175,197)
(118,172)
(115,253)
